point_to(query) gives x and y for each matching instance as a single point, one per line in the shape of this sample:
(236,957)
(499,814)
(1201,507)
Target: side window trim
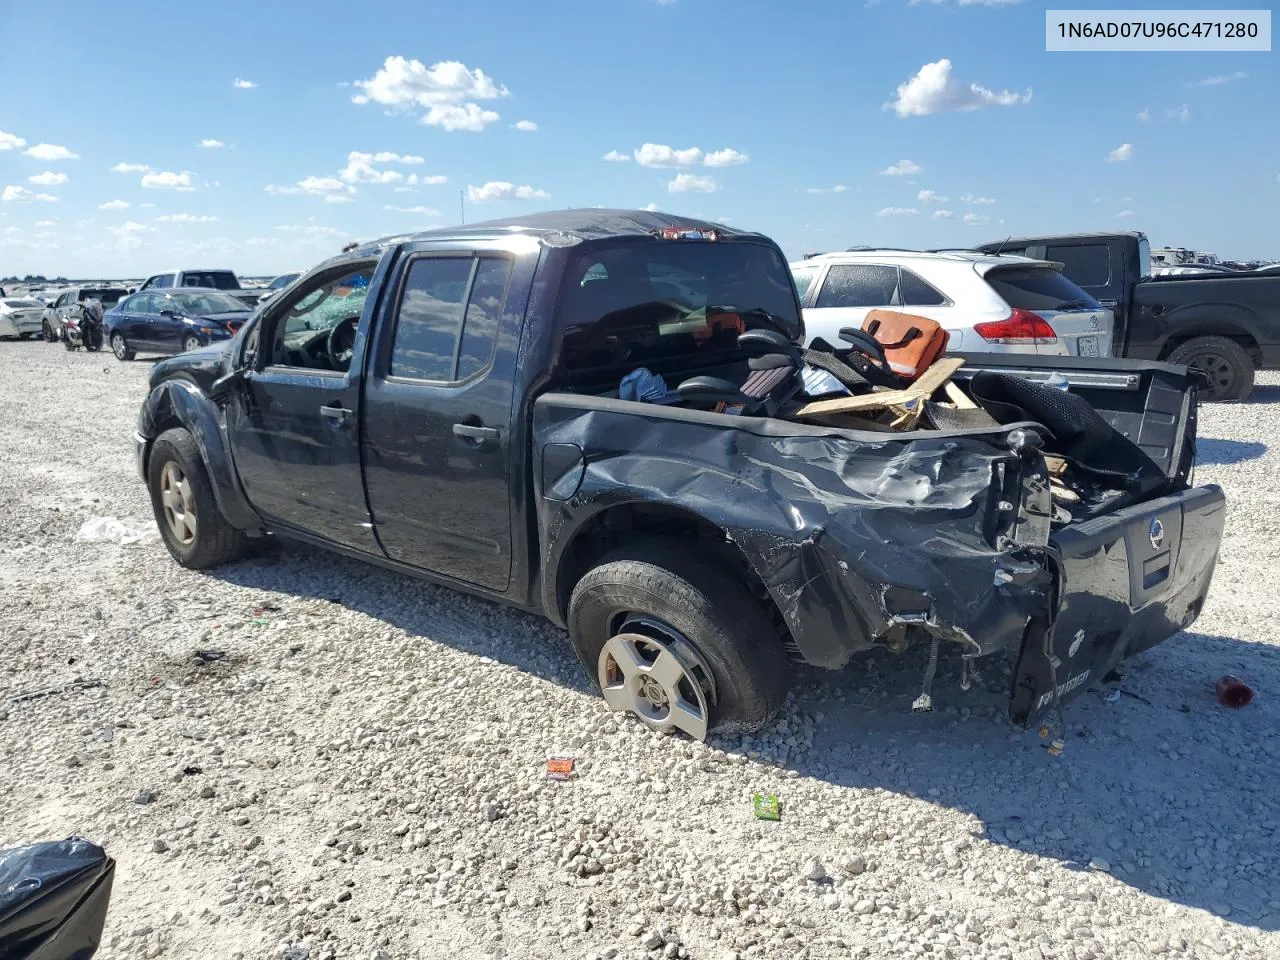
(462,322)
(903,271)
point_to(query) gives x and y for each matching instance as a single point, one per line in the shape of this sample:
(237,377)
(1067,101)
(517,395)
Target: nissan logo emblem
(1156,533)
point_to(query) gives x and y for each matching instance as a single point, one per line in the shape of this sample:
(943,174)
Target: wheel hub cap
(658,677)
(179,503)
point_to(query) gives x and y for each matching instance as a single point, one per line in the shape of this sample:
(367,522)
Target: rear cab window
(1038,288)
(1087,264)
(217,279)
(803,276)
(682,303)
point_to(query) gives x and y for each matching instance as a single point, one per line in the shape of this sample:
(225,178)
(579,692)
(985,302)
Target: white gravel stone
(392,722)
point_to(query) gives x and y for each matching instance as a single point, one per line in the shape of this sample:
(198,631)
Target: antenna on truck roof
(1000,249)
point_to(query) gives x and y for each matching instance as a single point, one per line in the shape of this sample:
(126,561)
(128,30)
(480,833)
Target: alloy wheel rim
(650,670)
(178,501)
(191,343)
(1217,369)
(117,344)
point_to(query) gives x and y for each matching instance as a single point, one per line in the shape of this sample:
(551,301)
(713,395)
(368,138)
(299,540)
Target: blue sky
(821,123)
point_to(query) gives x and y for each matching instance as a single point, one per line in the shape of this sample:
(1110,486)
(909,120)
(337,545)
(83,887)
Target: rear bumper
(1128,581)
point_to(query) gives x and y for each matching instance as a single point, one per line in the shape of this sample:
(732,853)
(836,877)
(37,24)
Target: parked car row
(1086,295)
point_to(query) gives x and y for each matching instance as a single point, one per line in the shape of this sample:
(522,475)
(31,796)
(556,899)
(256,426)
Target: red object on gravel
(1234,692)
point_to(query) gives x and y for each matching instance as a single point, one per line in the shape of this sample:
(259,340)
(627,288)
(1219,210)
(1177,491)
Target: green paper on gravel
(767,807)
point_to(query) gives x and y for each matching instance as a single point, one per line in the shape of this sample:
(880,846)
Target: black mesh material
(1080,433)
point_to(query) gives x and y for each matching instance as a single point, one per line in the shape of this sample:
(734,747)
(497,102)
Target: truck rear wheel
(678,641)
(194,529)
(1227,365)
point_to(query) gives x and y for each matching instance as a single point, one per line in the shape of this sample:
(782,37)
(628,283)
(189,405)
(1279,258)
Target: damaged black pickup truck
(461,405)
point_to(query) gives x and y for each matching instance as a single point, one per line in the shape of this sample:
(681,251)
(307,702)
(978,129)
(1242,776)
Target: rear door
(438,411)
(1083,326)
(144,320)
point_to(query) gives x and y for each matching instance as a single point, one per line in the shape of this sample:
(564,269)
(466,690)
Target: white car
(987,303)
(20,318)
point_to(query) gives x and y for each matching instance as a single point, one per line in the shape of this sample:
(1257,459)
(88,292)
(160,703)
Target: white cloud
(1124,214)
(114,205)
(661,155)
(502,190)
(527,126)
(691,183)
(50,151)
(1219,80)
(48,179)
(211,144)
(934,90)
(338,198)
(15,194)
(903,168)
(897,212)
(167,180)
(9,141)
(1182,114)
(1144,115)
(838,188)
(434,180)
(943,214)
(613,156)
(728,157)
(185,218)
(243,84)
(447,90)
(1120,153)
(146,206)
(360,169)
(975,201)
(46,223)
(314,186)
(130,228)
(311,229)
(651,207)
(973,219)
(386,156)
(929,196)
(130,168)
(421,211)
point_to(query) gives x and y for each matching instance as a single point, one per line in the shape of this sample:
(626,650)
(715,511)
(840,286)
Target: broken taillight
(1020,327)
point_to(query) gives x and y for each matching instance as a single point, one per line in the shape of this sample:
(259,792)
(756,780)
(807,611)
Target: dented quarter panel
(850,532)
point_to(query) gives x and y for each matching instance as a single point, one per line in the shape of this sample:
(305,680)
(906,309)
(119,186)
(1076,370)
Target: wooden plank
(922,389)
(959,397)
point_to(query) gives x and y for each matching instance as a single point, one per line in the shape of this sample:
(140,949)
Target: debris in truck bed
(931,380)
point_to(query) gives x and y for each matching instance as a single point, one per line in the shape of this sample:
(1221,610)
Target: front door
(438,413)
(294,421)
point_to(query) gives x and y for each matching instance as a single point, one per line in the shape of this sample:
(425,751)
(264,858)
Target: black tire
(68,344)
(120,347)
(215,541)
(703,603)
(47,331)
(1226,363)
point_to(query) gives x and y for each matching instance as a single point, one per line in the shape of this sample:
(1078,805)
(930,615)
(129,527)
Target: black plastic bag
(53,900)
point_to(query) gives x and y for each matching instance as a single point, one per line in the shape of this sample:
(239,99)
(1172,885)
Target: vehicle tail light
(1020,327)
(234,325)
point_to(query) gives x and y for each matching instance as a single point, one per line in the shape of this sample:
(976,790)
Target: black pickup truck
(448,405)
(1225,325)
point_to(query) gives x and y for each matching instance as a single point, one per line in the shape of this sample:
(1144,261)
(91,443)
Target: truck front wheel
(678,641)
(194,529)
(1227,365)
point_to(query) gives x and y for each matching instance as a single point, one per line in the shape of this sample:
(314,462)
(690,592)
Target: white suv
(987,303)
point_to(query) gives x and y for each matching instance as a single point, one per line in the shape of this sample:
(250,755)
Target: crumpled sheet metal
(830,520)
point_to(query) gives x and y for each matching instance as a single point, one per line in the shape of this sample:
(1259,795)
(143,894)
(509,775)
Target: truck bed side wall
(829,520)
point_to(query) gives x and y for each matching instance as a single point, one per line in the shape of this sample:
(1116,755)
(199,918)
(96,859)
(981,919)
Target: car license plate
(1088,346)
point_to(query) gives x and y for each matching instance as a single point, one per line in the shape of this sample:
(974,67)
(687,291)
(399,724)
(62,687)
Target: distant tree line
(34,278)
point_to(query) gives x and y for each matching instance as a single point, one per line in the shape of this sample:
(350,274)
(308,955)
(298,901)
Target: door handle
(474,431)
(335,412)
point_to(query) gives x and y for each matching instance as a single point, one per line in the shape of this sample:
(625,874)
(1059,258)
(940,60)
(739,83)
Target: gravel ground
(362,775)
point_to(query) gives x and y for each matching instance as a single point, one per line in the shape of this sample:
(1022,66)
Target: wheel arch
(1211,320)
(614,525)
(179,403)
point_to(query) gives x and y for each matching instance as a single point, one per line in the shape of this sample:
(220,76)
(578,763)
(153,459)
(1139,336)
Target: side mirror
(167,312)
(224,386)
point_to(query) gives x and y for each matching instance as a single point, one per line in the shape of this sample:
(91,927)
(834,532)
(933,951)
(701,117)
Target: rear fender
(180,403)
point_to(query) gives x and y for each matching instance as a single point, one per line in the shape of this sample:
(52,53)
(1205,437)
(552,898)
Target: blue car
(172,321)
